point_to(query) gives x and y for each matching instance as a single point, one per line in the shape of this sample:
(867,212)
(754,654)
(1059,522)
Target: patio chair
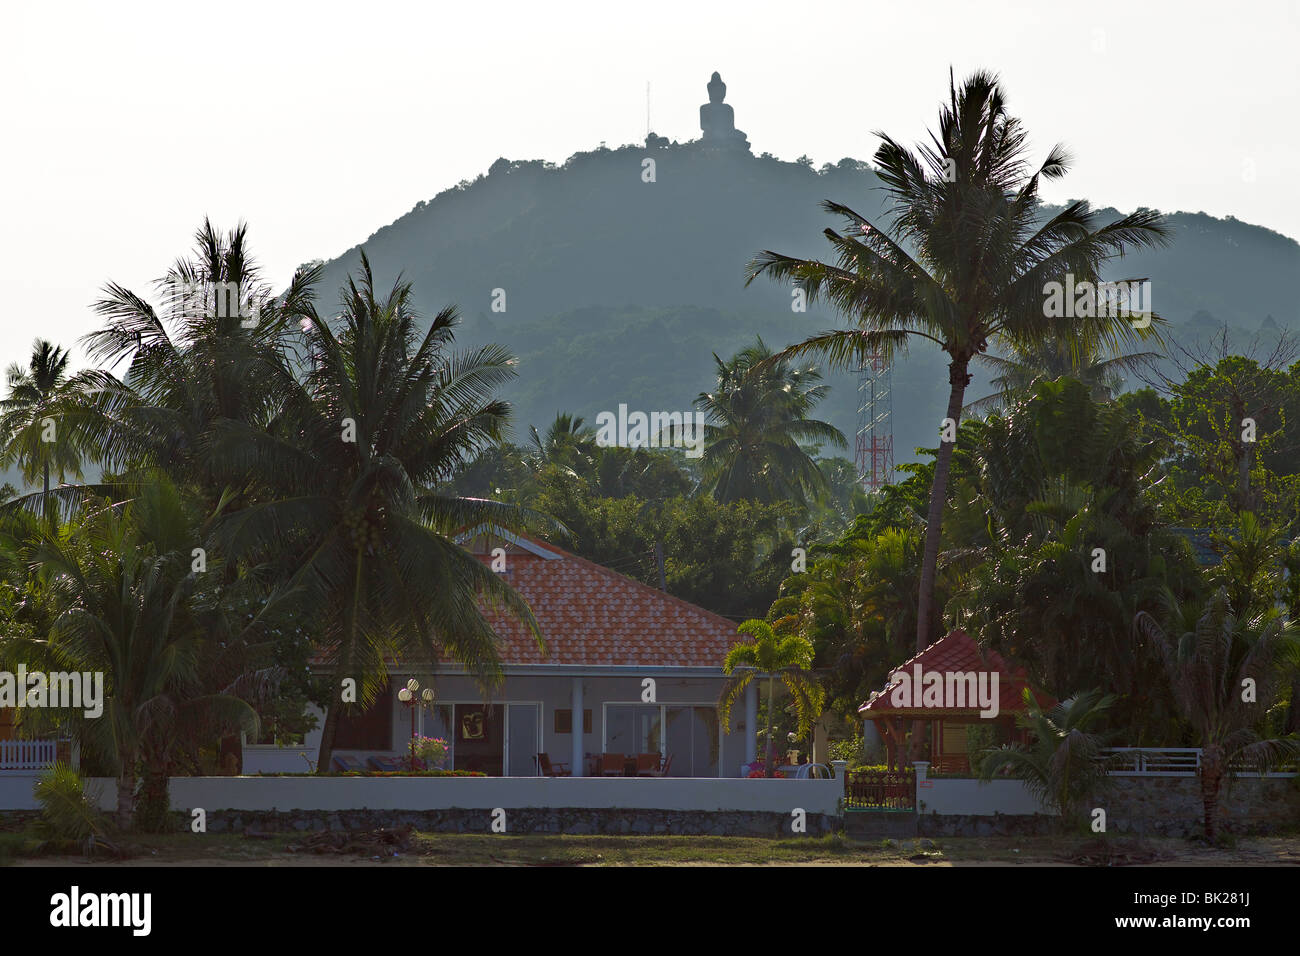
(349,763)
(613,765)
(662,771)
(647,764)
(552,769)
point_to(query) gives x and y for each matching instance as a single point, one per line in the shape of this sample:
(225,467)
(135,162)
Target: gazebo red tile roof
(958,652)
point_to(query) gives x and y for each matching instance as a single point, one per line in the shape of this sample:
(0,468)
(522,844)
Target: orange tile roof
(959,652)
(593,616)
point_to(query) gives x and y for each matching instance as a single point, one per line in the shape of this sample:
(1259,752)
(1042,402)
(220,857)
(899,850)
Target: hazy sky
(125,123)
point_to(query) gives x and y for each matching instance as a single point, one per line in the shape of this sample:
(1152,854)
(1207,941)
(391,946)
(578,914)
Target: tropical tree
(756,426)
(966,260)
(1223,671)
(1057,545)
(214,349)
(1233,431)
(1062,764)
(856,604)
(34,418)
(124,587)
(384,415)
(1252,566)
(1051,359)
(787,659)
(569,442)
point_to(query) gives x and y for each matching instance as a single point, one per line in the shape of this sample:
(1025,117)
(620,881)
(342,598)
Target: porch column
(751,721)
(579,761)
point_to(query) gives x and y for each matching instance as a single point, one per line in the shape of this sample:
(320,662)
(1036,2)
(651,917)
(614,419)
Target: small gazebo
(955,657)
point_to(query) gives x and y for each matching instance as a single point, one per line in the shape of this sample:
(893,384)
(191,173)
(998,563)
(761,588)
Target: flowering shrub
(430,751)
(759,769)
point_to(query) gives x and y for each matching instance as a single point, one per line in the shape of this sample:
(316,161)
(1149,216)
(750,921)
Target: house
(962,666)
(629,670)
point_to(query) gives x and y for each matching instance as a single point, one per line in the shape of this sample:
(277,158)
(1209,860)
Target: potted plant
(430,751)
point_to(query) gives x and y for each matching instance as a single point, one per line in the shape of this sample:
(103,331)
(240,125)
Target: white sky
(124,123)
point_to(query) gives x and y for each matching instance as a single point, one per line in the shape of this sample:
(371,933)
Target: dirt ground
(420,849)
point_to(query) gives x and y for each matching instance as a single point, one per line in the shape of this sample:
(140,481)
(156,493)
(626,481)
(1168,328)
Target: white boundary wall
(973,798)
(473,793)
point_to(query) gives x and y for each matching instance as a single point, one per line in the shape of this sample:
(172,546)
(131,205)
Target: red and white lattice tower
(875,439)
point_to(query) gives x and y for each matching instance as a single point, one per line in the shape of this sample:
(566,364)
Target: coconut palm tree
(1062,765)
(123,587)
(1052,358)
(966,260)
(34,418)
(569,442)
(213,349)
(756,424)
(1224,672)
(855,605)
(785,658)
(347,465)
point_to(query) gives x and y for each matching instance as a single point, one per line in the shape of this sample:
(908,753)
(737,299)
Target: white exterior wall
(475,793)
(971,797)
(552,692)
(16,789)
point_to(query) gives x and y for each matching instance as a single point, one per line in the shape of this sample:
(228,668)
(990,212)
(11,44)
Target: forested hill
(619,290)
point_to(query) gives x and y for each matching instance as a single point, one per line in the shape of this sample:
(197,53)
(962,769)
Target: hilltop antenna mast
(647,108)
(875,437)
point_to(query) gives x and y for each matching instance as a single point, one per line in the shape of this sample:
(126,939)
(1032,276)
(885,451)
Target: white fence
(1158,762)
(27,754)
(1170,762)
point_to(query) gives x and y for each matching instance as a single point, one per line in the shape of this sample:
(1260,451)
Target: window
(564,721)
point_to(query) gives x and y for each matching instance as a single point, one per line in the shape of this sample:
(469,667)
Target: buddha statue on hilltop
(718,120)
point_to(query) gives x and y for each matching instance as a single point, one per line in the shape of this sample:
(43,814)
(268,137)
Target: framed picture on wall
(473,726)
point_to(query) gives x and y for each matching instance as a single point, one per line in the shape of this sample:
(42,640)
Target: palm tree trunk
(126,790)
(958,379)
(770,767)
(45,498)
(346,655)
(327,734)
(1210,801)
(1211,779)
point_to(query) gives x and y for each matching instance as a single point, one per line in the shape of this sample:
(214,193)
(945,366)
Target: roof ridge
(610,572)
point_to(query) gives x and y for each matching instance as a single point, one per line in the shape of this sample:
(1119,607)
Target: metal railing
(1155,761)
(1173,762)
(879,790)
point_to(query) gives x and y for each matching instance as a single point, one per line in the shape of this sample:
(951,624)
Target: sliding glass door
(686,732)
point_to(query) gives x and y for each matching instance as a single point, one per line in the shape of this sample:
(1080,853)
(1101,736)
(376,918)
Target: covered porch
(635,721)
